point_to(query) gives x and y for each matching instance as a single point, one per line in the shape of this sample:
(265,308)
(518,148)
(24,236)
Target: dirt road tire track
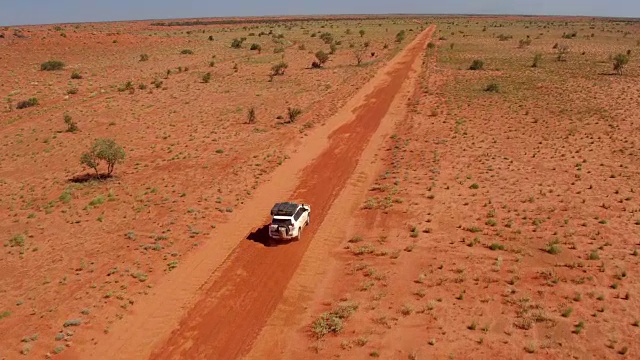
(230,314)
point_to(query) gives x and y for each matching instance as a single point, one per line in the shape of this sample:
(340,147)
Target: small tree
(279,68)
(251,115)
(72,126)
(361,33)
(103,150)
(619,62)
(322,57)
(293,114)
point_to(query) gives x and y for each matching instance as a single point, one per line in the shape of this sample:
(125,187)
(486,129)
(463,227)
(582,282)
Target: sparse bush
(293,114)
(72,91)
(74,322)
(524,42)
(322,57)
(496,246)
(358,54)
(278,50)
(16,240)
(400,36)
(206,78)
(186,52)
(128,86)
(256,47)
(477,64)
(326,37)
(27,103)
(619,62)
(279,68)
(503,37)
(144,57)
(76,75)
(332,48)
(361,32)
(251,115)
(562,51)
(52,65)
(553,248)
(103,150)
(72,126)
(536,60)
(431,45)
(492,87)
(157,83)
(570,35)
(302,47)
(332,322)
(237,43)
(210,37)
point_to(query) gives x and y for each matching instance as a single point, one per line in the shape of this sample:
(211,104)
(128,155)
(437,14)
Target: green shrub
(16,240)
(279,68)
(256,47)
(322,57)
(536,60)
(293,114)
(619,62)
(27,103)
(332,322)
(72,126)
(492,87)
(477,64)
(52,65)
(237,43)
(400,36)
(251,115)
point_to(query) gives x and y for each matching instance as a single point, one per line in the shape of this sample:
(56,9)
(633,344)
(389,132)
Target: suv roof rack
(284,209)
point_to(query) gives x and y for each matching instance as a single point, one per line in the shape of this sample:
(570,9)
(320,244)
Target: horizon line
(314,16)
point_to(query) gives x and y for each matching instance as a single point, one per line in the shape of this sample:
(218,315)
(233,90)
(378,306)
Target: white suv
(288,220)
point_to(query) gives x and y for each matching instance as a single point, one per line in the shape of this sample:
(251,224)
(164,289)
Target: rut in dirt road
(225,322)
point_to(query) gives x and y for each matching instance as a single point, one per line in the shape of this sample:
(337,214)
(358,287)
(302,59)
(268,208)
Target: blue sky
(22,12)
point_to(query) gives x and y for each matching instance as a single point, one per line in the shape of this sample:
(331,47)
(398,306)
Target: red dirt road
(226,320)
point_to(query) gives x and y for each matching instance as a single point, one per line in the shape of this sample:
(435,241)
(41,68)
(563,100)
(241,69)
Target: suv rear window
(285,222)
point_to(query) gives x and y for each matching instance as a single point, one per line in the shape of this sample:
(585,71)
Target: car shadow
(261,236)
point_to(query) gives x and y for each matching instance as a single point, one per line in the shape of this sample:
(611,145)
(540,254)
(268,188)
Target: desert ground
(490,212)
